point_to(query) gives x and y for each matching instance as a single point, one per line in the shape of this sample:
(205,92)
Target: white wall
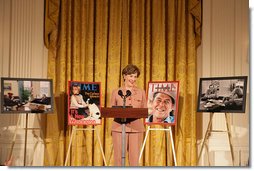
(22,55)
(225,52)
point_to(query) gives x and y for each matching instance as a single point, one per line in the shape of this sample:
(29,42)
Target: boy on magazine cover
(84,103)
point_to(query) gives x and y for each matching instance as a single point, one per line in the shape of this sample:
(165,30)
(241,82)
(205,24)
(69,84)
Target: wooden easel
(209,130)
(26,129)
(84,129)
(171,139)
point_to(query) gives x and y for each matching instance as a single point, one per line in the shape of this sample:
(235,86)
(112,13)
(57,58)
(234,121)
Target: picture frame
(222,94)
(162,102)
(7,87)
(26,95)
(84,103)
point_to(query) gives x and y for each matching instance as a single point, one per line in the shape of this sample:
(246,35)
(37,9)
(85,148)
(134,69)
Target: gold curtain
(92,40)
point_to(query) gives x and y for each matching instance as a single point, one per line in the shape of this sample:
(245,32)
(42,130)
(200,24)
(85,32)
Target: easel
(209,130)
(84,129)
(25,144)
(160,129)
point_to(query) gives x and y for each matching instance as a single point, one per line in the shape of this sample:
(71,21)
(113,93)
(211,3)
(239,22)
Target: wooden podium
(121,112)
(124,112)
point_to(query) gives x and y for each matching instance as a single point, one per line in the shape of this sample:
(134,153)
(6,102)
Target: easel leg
(208,130)
(173,146)
(98,137)
(142,149)
(25,139)
(208,156)
(14,139)
(67,155)
(229,138)
(42,134)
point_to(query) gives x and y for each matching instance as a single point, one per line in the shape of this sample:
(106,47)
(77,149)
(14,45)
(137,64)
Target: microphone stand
(123,121)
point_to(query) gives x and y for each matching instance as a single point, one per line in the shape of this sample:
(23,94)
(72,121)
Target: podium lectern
(124,112)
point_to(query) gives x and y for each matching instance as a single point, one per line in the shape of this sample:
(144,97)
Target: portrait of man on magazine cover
(162,102)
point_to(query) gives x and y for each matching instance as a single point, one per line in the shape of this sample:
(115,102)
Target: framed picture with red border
(162,102)
(84,103)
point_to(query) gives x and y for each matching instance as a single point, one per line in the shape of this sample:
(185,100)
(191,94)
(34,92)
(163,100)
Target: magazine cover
(84,103)
(162,102)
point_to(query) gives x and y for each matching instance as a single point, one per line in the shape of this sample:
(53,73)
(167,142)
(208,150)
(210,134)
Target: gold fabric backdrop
(92,40)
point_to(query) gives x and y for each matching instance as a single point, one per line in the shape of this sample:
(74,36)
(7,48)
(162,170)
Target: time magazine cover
(162,102)
(84,100)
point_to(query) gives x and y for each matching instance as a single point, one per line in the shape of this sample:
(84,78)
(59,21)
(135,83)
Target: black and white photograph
(222,94)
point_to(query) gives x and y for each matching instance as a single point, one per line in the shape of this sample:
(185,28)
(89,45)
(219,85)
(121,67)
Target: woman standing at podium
(134,127)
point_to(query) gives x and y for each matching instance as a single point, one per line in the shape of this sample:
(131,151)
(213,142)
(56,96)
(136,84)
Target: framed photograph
(222,94)
(26,95)
(7,86)
(162,102)
(84,103)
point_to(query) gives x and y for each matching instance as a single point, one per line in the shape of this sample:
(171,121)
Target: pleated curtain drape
(92,40)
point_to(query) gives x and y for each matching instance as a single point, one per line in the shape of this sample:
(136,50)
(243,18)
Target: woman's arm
(144,102)
(74,102)
(113,99)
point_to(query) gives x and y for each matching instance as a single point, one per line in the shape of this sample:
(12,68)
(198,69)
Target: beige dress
(134,127)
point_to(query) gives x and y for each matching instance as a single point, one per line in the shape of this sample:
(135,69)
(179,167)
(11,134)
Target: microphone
(120,93)
(128,93)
